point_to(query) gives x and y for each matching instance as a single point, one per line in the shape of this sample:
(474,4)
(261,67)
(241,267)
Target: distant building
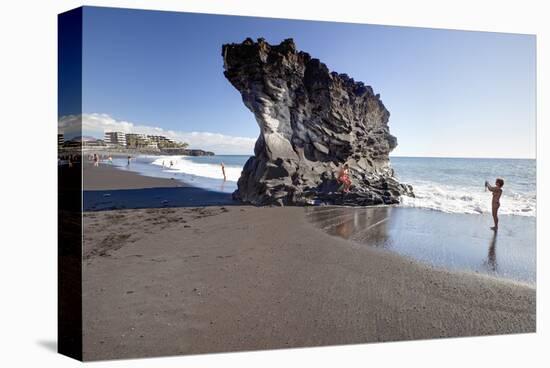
(148,142)
(115,138)
(84,142)
(137,141)
(136,135)
(91,142)
(159,139)
(60,140)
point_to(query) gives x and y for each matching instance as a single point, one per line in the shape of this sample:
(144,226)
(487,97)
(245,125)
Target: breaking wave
(182,164)
(468,200)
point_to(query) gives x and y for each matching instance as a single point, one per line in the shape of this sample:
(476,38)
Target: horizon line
(467,157)
(408,156)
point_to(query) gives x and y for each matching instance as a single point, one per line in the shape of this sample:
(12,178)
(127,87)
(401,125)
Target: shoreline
(109,188)
(461,242)
(109,177)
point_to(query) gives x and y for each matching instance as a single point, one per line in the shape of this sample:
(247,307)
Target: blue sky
(450,93)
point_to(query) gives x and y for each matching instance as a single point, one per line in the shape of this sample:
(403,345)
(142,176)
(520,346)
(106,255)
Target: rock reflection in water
(454,241)
(357,224)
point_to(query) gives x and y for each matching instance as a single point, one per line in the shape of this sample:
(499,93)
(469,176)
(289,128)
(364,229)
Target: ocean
(452,185)
(456,185)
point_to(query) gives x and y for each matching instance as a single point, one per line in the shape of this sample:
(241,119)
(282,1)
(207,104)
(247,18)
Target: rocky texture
(312,121)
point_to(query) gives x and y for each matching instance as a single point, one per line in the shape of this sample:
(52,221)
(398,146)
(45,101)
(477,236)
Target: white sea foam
(206,170)
(468,200)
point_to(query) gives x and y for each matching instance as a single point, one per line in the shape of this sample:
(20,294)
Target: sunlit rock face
(312,122)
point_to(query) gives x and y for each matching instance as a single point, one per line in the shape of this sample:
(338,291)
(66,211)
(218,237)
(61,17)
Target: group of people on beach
(69,159)
(96,159)
(171,164)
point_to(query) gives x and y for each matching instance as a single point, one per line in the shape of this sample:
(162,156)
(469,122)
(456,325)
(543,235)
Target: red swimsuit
(344,178)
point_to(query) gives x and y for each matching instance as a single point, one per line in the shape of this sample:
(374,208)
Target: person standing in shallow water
(495,203)
(223,172)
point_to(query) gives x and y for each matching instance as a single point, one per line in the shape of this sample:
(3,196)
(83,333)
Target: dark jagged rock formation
(312,121)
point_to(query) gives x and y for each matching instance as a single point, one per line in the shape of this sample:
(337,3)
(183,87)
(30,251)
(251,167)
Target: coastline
(213,279)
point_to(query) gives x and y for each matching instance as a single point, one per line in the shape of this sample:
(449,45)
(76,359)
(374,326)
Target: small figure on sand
(223,172)
(129,159)
(495,204)
(171,163)
(96,160)
(343,178)
(110,160)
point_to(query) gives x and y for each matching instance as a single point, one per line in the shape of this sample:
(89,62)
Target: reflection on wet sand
(454,241)
(362,225)
(492,256)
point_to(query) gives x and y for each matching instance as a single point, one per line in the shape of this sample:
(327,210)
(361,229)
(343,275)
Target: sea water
(452,185)
(456,185)
(199,171)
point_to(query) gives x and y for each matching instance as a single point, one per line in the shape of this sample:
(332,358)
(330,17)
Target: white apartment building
(159,139)
(115,138)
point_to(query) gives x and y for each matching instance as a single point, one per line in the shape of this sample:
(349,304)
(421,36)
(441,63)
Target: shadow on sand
(104,200)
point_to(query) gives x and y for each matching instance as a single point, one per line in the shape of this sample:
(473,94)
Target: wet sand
(109,188)
(165,281)
(107,177)
(449,240)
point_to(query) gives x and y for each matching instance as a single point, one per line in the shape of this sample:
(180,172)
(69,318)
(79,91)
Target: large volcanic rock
(312,121)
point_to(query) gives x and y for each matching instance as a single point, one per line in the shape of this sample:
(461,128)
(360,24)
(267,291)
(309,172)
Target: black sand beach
(108,188)
(163,281)
(107,177)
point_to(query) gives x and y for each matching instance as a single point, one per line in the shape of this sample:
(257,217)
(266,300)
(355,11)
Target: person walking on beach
(129,158)
(495,203)
(343,178)
(96,160)
(223,172)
